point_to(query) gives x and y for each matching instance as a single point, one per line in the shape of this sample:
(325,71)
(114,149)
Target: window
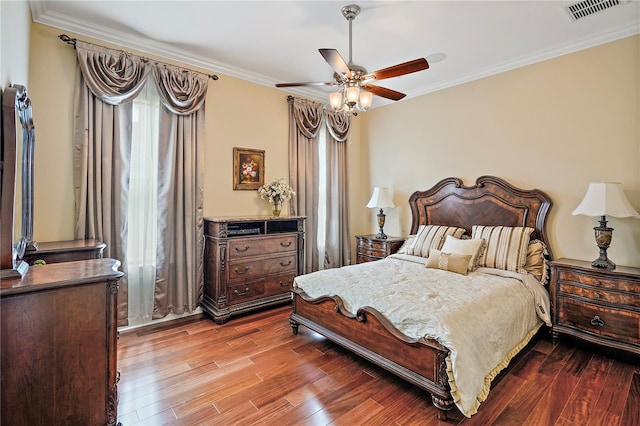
(142,209)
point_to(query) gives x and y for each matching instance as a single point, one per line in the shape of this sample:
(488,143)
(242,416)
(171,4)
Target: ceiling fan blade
(334,59)
(384,92)
(311,83)
(398,70)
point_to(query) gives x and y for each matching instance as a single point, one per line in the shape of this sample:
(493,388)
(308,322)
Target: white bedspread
(483,318)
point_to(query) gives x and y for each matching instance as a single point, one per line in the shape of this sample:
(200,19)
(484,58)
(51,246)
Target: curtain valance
(117,77)
(308,117)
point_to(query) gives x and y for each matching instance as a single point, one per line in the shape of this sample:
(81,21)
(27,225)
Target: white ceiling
(270,42)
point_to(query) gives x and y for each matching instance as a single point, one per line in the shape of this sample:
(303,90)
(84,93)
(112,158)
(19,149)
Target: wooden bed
(491,201)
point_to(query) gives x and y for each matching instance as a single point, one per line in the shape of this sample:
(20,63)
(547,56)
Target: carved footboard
(370,335)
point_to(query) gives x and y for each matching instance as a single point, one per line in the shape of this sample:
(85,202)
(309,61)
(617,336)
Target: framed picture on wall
(248,168)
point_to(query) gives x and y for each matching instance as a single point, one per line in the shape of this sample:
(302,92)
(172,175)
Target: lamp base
(381,219)
(603,236)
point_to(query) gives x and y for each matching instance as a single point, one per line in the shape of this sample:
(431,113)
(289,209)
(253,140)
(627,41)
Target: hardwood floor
(253,370)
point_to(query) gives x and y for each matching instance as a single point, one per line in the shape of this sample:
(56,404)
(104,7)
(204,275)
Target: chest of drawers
(369,248)
(250,263)
(597,305)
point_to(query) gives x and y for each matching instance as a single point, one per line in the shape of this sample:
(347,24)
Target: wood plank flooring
(253,370)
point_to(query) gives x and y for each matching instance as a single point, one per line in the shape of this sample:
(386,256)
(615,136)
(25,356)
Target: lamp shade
(380,198)
(605,199)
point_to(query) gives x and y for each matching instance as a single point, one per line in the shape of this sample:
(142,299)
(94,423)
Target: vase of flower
(276,193)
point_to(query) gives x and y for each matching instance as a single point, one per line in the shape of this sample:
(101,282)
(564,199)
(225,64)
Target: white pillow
(472,247)
(431,237)
(408,243)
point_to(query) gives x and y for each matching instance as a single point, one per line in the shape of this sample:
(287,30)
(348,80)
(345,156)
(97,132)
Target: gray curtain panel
(107,82)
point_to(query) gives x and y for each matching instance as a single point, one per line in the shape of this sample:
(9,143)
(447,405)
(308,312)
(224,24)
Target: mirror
(16,104)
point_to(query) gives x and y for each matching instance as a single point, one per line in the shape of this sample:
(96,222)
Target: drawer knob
(285,264)
(244,293)
(285,244)
(597,321)
(239,250)
(596,282)
(285,283)
(596,295)
(246,269)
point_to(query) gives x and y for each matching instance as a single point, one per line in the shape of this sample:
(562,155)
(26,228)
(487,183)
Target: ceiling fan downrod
(350,12)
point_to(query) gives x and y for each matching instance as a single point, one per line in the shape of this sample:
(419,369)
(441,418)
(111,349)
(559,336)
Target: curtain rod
(72,42)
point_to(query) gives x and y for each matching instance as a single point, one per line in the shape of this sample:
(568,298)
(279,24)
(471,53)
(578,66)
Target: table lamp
(380,199)
(605,199)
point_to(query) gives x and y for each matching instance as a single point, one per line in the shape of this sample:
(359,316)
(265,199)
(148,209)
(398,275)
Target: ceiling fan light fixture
(353,93)
(335,100)
(366,98)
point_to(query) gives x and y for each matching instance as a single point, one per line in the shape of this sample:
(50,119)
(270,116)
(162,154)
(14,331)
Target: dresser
(250,263)
(58,358)
(370,248)
(601,306)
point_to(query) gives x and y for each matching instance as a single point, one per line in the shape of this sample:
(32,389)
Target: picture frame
(248,168)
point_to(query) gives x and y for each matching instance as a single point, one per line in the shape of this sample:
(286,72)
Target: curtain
(179,274)
(305,119)
(337,236)
(143,213)
(107,81)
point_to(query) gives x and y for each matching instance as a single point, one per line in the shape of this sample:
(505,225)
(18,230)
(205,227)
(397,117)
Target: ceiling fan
(354,80)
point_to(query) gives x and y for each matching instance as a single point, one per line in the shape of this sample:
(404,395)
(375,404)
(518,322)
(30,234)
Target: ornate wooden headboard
(491,201)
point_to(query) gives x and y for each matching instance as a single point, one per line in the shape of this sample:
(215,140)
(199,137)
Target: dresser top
(586,266)
(251,218)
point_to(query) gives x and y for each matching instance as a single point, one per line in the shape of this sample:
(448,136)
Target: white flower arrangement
(276,191)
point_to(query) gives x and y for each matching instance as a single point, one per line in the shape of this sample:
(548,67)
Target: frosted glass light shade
(335,100)
(380,198)
(352,94)
(366,99)
(605,199)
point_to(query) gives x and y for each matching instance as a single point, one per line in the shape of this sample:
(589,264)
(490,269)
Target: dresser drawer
(600,282)
(247,269)
(631,300)
(599,320)
(248,247)
(262,288)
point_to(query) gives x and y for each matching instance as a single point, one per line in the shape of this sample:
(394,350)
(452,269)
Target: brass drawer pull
(285,284)
(285,264)
(596,295)
(596,282)
(597,321)
(246,248)
(287,244)
(246,269)
(244,293)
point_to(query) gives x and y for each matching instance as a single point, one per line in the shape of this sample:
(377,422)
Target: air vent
(590,7)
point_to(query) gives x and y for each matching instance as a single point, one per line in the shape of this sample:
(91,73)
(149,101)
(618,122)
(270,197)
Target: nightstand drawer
(631,300)
(372,245)
(372,253)
(613,323)
(601,282)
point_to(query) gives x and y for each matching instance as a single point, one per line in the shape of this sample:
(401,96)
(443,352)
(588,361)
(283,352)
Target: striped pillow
(432,237)
(505,246)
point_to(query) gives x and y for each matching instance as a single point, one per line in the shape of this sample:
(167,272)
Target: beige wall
(555,126)
(238,114)
(15,21)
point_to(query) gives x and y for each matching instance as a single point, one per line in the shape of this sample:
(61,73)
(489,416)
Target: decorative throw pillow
(457,263)
(506,246)
(536,263)
(471,247)
(408,243)
(432,236)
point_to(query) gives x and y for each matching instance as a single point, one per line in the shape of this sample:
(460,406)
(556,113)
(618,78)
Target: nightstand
(600,306)
(370,248)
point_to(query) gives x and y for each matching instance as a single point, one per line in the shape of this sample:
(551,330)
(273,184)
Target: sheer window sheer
(143,213)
